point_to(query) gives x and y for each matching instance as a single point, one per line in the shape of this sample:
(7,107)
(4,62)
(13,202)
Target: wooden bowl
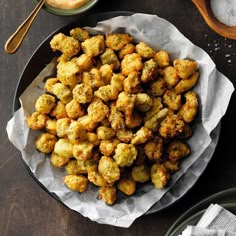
(205,9)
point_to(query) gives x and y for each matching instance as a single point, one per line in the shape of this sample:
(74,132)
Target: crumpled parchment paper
(214,91)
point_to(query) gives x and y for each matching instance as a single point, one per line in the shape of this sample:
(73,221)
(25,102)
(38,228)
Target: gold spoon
(14,42)
(220,28)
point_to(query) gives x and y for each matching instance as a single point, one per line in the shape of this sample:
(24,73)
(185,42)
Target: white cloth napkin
(216,221)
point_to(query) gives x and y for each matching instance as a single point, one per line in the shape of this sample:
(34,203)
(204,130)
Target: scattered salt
(224,11)
(227,55)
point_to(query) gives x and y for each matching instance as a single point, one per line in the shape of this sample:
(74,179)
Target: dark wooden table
(26,209)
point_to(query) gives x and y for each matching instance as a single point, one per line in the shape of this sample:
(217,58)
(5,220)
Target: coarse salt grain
(224,11)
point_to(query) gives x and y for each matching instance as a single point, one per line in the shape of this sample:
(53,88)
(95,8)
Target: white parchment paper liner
(214,91)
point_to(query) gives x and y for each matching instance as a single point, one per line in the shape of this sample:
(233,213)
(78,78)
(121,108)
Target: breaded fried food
(126,186)
(83,150)
(62,92)
(66,44)
(131,62)
(107,194)
(96,178)
(170,76)
(108,146)
(59,111)
(51,125)
(172,100)
(177,150)
(140,173)
(125,154)
(117,41)
(62,125)
(105,133)
(171,126)
(63,147)
(141,136)
(190,108)
(144,50)
(58,161)
(74,109)
(158,87)
(36,120)
(93,46)
(109,169)
(154,148)
(82,93)
(132,83)
(45,103)
(150,71)
(162,58)
(76,132)
(45,142)
(76,182)
(84,62)
(127,49)
(185,68)
(143,102)
(124,135)
(159,175)
(79,34)
(75,167)
(109,57)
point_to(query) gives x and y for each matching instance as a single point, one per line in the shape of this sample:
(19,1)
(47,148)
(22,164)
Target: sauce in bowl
(67,4)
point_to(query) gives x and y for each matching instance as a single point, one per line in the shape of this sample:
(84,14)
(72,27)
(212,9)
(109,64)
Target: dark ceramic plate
(43,55)
(226,199)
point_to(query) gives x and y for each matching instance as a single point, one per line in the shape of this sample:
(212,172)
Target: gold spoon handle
(14,42)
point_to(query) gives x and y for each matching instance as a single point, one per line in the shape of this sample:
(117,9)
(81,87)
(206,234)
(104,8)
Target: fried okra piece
(36,120)
(185,68)
(124,135)
(144,50)
(177,150)
(62,125)
(104,132)
(125,102)
(158,87)
(59,111)
(79,34)
(172,100)
(116,118)
(132,84)
(93,79)
(45,103)
(63,147)
(58,161)
(162,58)
(186,84)
(106,93)
(156,107)
(95,106)
(49,83)
(133,120)
(76,132)
(143,102)
(62,92)
(74,109)
(126,185)
(125,154)
(93,138)
(69,74)
(109,57)
(141,136)
(109,169)
(83,150)
(140,173)
(117,41)
(76,182)
(127,49)
(87,123)
(106,72)
(93,46)
(150,71)
(84,62)
(131,62)
(190,108)
(107,194)
(51,126)
(154,122)
(75,167)
(95,177)
(159,175)
(117,81)
(170,76)
(171,166)
(154,148)
(107,147)
(45,142)
(171,126)
(82,93)
(66,44)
